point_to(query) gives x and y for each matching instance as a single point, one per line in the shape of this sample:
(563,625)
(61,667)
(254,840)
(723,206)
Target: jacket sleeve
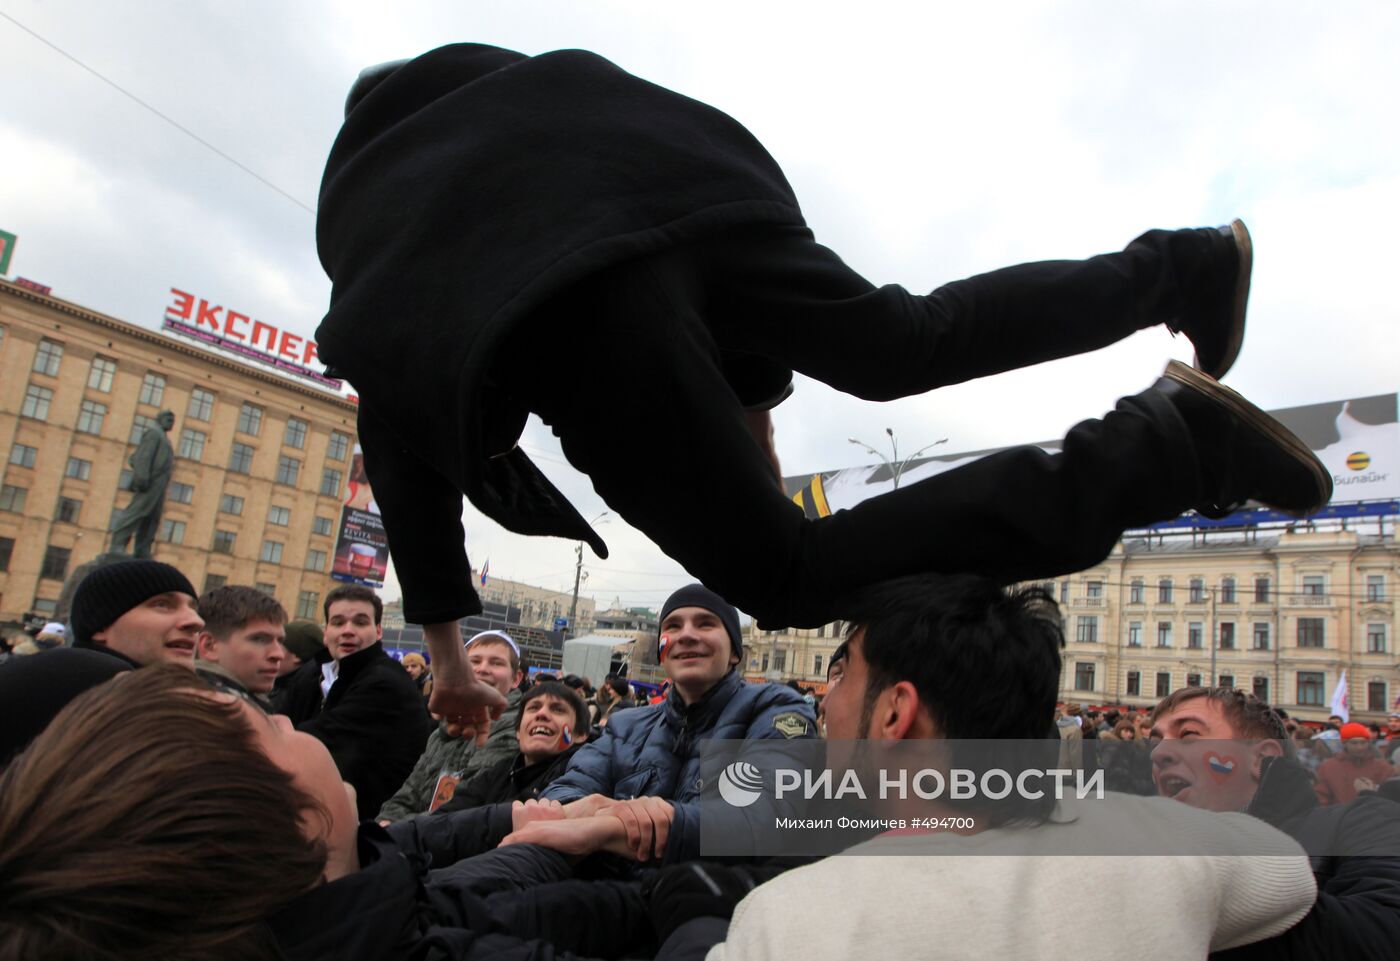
(590,770)
(448,838)
(776,713)
(408,800)
(422,513)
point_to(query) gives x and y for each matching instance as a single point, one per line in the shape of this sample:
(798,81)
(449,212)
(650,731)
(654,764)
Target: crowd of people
(319,811)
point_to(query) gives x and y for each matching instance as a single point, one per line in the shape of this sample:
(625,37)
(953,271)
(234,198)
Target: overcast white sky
(924,141)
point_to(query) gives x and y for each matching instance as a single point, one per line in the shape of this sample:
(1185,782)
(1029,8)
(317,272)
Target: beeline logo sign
(740,784)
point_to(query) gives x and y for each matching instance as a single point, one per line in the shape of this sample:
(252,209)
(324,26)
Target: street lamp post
(578,575)
(893,463)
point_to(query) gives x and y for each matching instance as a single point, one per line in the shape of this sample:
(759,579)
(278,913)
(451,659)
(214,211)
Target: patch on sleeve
(790,724)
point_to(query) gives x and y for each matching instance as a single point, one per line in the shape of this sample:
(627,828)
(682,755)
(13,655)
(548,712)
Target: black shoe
(1214,315)
(1243,453)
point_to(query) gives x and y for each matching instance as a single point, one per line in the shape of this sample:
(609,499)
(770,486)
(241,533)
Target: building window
(281,516)
(201,405)
(12,498)
(1314,585)
(1083,676)
(1227,635)
(101,374)
(816,664)
(1064,592)
(1135,592)
(124,479)
(315,560)
(1194,633)
(1087,630)
(68,510)
(1261,689)
(139,426)
(330,483)
(249,419)
(91,416)
(1310,631)
(1164,591)
(212,582)
(1135,633)
(295,434)
(271,552)
(7,547)
(1310,688)
(1261,636)
(22,455)
(1376,697)
(307,604)
(1227,681)
(764,668)
(1134,683)
(287,470)
(78,469)
(1227,590)
(152,390)
(269,589)
(1164,683)
(181,493)
(1375,587)
(47,358)
(240,460)
(1375,638)
(1093,589)
(36,402)
(230,504)
(1164,633)
(1261,590)
(338,447)
(191,444)
(48,608)
(55,566)
(321,526)
(1196,591)
(172,531)
(224,542)
(1193,680)
(780,660)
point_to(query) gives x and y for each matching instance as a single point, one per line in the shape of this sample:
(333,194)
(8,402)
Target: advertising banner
(362,549)
(1358,440)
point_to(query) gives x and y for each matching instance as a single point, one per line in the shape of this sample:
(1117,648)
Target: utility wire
(174,123)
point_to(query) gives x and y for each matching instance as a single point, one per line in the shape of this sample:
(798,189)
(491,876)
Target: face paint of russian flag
(661,647)
(566,737)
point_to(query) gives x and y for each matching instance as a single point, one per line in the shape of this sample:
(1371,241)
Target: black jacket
(465,191)
(372,721)
(1355,851)
(509,780)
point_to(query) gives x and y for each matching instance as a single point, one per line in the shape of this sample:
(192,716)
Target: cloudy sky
(926,142)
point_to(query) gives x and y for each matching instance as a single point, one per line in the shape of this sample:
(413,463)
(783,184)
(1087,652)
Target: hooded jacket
(655,751)
(465,190)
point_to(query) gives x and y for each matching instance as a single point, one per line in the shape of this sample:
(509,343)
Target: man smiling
(141,611)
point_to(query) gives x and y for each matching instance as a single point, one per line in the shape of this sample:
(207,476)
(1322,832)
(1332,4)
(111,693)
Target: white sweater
(947,903)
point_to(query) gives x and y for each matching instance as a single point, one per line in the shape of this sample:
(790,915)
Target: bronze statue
(150,475)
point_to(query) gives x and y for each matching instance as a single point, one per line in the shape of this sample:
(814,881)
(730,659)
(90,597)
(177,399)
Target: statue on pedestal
(150,476)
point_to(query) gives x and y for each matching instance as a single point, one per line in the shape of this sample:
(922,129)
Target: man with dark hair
(619,698)
(242,638)
(960,658)
(605,216)
(358,700)
(447,760)
(1222,750)
(141,611)
(549,728)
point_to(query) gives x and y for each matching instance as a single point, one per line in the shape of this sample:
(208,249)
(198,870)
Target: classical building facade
(261,460)
(539,606)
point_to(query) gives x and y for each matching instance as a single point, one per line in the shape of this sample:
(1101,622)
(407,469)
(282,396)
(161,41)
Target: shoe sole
(1261,423)
(1244,246)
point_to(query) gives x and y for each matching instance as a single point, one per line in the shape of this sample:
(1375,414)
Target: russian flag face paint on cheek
(566,737)
(661,646)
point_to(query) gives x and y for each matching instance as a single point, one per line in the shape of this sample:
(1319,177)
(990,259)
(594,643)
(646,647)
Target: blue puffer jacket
(655,751)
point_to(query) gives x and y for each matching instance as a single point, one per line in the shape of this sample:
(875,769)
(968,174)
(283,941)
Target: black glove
(692,890)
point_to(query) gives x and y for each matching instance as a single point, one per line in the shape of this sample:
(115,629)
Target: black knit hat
(113,589)
(305,638)
(698,595)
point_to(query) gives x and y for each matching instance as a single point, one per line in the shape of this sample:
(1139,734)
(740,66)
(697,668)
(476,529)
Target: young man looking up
(242,640)
(358,700)
(495,660)
(141,611)
(1221,750)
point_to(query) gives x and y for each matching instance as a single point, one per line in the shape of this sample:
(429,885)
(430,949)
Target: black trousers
(627,369)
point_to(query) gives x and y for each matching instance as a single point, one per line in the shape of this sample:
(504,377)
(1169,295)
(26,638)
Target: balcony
(1316,600)
(1087,602)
